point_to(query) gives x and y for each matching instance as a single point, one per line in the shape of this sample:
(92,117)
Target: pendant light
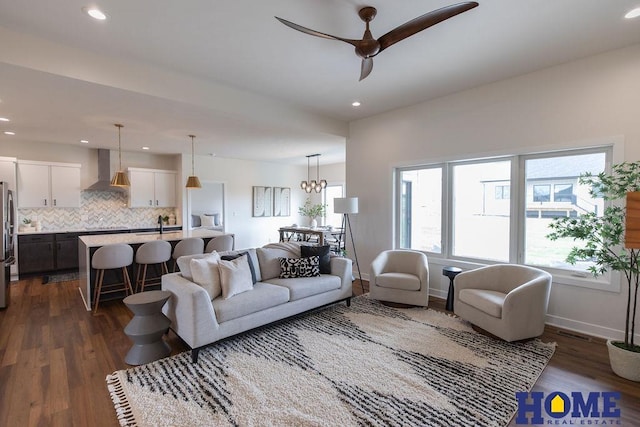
(120,179)
(315,184)
(193,181)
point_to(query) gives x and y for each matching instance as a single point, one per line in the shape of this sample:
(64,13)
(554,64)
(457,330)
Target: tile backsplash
(102,209)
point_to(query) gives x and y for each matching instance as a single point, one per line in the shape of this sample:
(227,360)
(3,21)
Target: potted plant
(603,245)
(312,211)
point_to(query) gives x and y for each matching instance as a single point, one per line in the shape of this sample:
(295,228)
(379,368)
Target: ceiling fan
(369,47)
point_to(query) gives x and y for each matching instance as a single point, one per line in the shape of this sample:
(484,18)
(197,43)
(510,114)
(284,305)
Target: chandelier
(315,184)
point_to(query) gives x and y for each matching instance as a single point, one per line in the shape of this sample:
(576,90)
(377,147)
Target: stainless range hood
(104,174)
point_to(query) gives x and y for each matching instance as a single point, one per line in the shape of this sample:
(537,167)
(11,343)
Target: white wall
(239,176)
(592,99)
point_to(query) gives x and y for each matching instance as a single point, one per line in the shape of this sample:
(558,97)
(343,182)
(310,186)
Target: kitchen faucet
(160,222)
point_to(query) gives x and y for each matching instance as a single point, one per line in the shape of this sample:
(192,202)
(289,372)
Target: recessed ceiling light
(84,141)
(4,119)
(8,132)
(356,103)
(95,13)
(145,148)
(634,13)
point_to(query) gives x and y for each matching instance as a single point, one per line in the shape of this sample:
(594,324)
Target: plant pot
(314,223)
(624,363)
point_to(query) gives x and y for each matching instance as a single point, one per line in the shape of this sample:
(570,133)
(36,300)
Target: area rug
(62,277)
(367,364)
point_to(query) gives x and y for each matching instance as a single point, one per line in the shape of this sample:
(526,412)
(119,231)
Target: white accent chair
(400,276)
(507,300)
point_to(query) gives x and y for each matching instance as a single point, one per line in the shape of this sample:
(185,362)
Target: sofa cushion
(323,252)
(184,264)
(235,276)
(268,259)
(307,286)
(489,302)
(290,268)
(252,256)
(231,257)
(403,281)
(205,273)
(261,297)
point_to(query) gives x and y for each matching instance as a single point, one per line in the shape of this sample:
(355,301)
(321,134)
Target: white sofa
(200,321)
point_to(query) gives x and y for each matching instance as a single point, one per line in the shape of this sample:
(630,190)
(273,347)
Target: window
(480,222)
(563,193)
(541,193)
(421,209)
(497,209)
(569,199)
(503,192)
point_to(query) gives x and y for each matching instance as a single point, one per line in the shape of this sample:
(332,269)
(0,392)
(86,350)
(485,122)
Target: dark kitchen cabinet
(36,253)
(67,251)
(47,253)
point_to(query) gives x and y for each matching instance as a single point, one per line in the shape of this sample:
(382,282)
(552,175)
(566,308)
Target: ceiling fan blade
(316,33)
(423,22)
(365,68)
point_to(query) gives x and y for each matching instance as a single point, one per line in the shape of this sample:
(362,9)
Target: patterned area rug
(367,364)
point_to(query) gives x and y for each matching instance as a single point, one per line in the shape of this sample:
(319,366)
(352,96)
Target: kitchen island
(87,245)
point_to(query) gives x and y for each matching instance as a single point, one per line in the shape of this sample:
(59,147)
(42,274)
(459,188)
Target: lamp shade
(120,179)
(193,182)
(345,205)
(632,221)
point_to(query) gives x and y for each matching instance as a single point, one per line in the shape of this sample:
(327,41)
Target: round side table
(451,273)
(147,327)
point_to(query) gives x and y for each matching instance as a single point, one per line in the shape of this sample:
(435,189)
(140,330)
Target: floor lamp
(346,206)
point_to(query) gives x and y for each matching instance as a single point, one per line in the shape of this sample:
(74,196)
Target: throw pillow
(235,276)
(299,267)
(231,257)
(206,221)
(184,264)
(205,273)
(321,251)
(269,263)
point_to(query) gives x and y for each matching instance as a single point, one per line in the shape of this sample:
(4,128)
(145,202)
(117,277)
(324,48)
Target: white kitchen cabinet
(152,188)
(42,185)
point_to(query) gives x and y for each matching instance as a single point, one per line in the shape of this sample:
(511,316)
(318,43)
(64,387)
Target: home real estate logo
(557,408)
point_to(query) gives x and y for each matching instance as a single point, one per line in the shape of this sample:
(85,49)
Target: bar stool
(111,257)
(188,246)
(220,244)
(150,253)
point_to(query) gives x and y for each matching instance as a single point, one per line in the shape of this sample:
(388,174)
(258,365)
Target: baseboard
(586,328)
(438,293)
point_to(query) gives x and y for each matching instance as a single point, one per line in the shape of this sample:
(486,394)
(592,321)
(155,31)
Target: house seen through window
(476,219)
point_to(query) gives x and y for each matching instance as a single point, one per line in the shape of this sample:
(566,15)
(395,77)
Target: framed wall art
(281,201)
(262,201)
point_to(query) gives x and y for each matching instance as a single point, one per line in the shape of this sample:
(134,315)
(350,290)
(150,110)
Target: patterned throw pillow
(299,267)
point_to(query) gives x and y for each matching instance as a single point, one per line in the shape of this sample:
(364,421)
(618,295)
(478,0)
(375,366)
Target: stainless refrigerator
(7,213)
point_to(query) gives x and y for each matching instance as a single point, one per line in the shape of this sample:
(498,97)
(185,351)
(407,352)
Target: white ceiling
(251,88)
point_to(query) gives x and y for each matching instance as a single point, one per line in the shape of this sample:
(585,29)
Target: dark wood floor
(54,357)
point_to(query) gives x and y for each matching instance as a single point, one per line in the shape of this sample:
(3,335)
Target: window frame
(608,282)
